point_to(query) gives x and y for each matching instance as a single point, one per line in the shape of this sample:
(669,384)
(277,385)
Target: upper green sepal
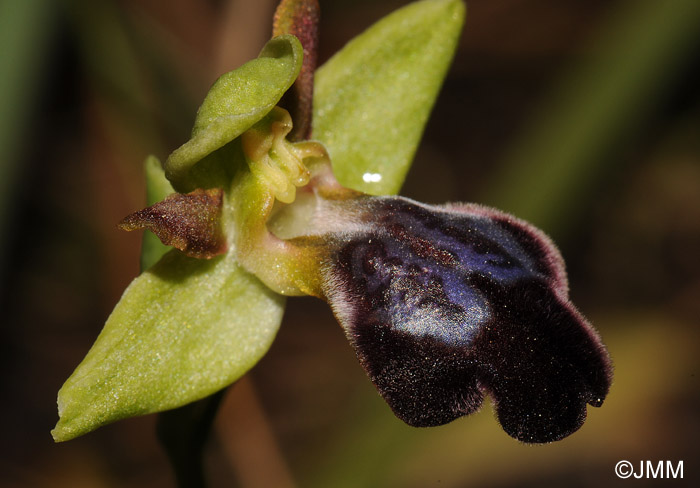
(183,330)
(235,102)
(372,99)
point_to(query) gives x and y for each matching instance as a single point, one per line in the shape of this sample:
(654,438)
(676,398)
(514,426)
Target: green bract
(235,102)
(373,98)
(186,328)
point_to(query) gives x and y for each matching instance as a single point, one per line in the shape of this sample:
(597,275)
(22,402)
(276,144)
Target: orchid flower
(442,304)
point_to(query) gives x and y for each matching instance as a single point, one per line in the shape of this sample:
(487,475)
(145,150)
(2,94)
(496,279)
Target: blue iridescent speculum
(442,304)
(468,301)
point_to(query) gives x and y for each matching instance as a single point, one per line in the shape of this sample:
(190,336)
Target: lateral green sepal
(183,329)
(373,98)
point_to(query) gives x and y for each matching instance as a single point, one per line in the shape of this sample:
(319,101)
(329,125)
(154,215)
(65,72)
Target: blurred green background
(582,116)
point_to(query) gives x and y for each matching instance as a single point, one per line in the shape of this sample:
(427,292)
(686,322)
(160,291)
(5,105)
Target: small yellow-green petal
(372,99)
(183,330)
(235,102)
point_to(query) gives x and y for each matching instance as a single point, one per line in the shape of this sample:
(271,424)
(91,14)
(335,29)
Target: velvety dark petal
(408,335)
(444,304)
(545,363)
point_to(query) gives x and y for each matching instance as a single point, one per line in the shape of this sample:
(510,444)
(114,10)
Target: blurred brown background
(583,116)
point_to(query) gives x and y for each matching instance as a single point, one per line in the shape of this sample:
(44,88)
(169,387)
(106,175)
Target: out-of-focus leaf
(372,99)
(26,40)
(183,330)
(236,101)
(640,51)
(157,188)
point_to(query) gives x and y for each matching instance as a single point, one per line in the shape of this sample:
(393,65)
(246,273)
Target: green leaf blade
(183,330)
(373,98)
(236,101)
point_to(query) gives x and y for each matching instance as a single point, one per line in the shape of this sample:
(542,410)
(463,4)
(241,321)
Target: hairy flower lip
(446,304)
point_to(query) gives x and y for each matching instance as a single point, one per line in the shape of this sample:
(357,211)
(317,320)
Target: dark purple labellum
(446,304)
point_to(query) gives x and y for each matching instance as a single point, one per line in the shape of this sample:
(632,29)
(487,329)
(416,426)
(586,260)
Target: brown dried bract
(300,18)
(189,222)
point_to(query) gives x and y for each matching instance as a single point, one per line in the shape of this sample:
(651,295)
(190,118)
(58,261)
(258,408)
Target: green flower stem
(183,433)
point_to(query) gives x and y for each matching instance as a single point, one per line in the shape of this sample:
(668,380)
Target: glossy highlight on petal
(446,304)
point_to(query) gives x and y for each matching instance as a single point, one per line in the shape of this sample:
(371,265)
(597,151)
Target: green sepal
(235,102)
(372,99)
(183,330)
(157,188)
